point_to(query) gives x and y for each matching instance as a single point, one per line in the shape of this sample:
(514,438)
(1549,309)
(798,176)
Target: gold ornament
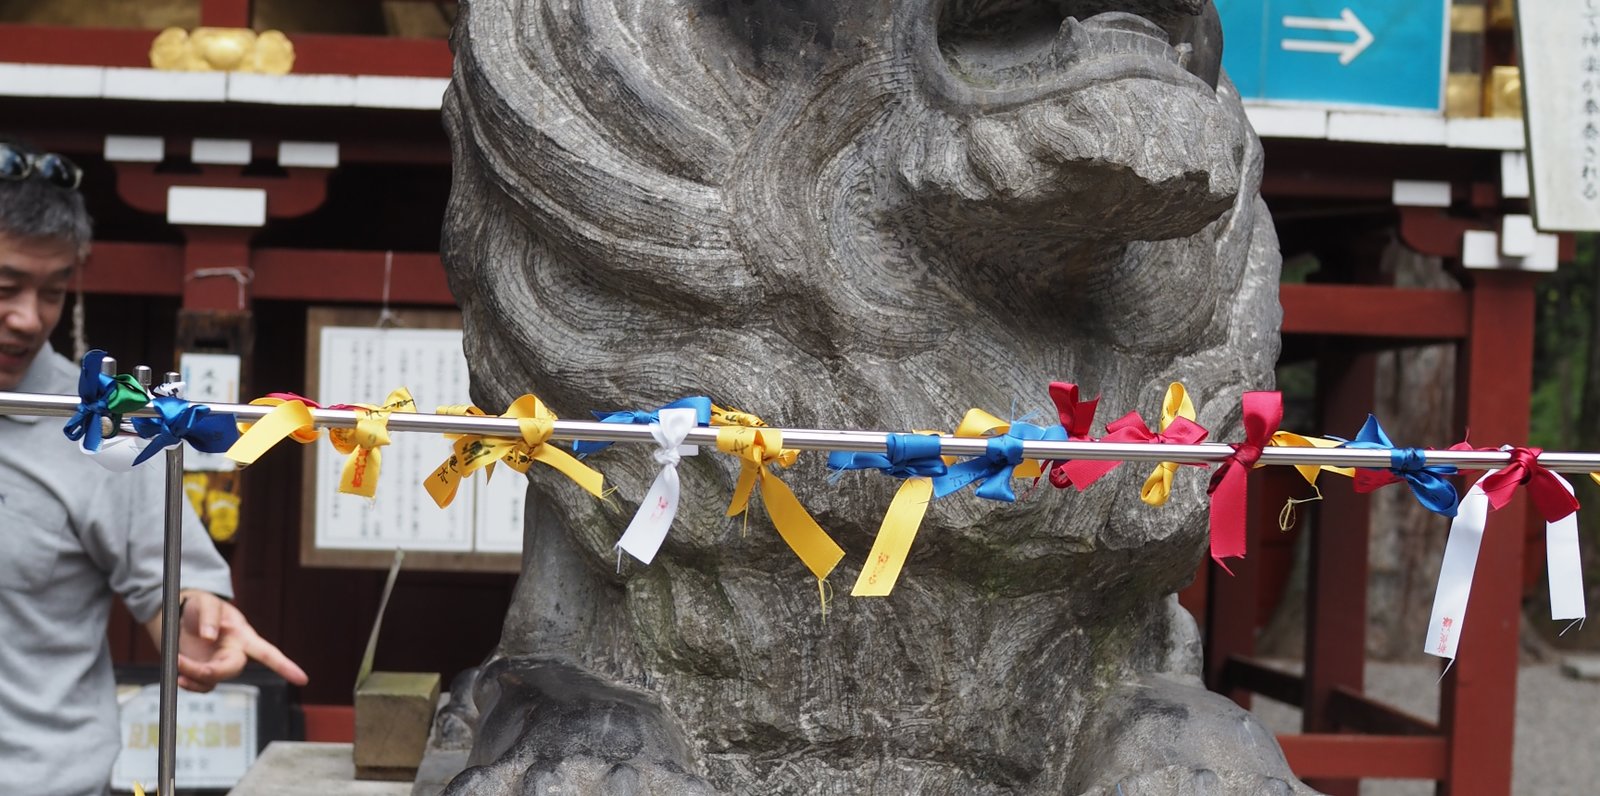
(222,50)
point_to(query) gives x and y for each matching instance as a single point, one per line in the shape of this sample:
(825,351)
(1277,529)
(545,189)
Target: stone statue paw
(550,728)
(1186,781)
(1201,743)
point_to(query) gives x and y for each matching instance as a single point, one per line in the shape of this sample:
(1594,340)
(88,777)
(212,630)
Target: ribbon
(648,529)
(699,403)
(1544,486)
(360,444)
(181,421)
(1000,462)
(472,452)
(101,396)
(723,416)
(290,417)
(1177,427)
(1229,487)
(1461,558)
(757,448)
(1428,482)
(915,458)
(1076,417)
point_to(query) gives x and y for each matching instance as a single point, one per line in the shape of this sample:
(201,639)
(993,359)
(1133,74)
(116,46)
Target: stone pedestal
(292,768)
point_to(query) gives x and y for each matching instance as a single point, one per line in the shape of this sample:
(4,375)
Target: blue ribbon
(95,390)
(909,456)
(994,467)
(1427,482)
(699,403)
(181,421)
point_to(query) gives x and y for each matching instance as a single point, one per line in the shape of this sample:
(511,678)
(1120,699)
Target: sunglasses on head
(20,164)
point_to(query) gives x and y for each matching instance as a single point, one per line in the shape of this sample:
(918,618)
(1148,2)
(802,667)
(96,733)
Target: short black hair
(36,209)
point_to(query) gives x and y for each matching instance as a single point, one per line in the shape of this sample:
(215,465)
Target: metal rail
(864,441)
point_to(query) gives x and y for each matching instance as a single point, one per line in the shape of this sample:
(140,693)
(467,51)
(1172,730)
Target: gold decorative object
(222,50)
(1463,95)
(1503,99)
(1502,14)
(1466,19)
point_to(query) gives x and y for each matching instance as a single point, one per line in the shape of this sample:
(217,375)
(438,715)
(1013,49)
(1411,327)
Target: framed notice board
(350,359)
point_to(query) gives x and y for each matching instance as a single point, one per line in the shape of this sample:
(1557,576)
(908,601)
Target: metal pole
(866,441)
(171,617)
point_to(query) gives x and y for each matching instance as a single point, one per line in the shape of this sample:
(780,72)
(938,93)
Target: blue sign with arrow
(1376,53)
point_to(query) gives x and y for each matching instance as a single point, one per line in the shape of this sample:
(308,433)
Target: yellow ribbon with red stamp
(360,445)
(472,452)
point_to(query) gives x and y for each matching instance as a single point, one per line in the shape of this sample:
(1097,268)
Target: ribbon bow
(290,417)
(1177,428)
(699,403)
(1562,556)
(1002,460)
(360,444)
(1229,487)
(757,448)
(915,458)
(181,421)
(1428,482)
(1553,500)
(1076,417)
(648,529)
(473,452)
(101,396)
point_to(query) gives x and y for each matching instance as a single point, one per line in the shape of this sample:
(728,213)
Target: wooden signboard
(349,359)
(1559,47)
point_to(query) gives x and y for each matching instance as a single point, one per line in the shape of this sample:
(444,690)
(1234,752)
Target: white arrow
(1347,21)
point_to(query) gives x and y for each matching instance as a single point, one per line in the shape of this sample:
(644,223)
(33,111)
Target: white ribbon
(1461,560)
(117,453)
(660,505)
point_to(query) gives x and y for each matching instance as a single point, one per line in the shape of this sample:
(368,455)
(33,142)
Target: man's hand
(216,640)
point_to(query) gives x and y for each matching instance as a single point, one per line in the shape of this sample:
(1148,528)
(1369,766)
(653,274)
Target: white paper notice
(361,365)
(211,378)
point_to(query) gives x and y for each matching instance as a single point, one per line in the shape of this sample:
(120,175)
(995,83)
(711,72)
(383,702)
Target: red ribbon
(1129,428)
(1229,492)
(1076,417)
(1551,498)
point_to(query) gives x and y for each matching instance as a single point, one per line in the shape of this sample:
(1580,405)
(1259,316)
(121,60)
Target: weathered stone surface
(857,215)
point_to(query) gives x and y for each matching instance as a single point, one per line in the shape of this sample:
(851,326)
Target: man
(72,534)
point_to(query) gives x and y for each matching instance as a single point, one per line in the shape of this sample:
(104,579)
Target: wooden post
(1336,584)
(1478,708)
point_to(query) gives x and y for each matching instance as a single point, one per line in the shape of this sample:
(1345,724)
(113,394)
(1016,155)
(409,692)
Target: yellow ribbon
(895,535)
(287,419)
(1286,439)
(978,424)
(473,452)
(1595,477)
(360,444)
(724,416)
(1175,404)
(756,448)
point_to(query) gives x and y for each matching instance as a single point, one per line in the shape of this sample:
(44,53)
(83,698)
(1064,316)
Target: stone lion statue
(855,215)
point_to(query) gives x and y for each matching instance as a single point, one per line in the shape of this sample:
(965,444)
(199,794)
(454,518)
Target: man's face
(34,277)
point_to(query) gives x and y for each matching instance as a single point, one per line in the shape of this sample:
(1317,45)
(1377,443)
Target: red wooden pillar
(1336,585)
(216,269)
(1478,709)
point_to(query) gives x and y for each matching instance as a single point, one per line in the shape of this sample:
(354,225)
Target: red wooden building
(229,203)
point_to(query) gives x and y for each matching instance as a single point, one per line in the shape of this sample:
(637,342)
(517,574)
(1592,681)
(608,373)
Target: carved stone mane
(866,215)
